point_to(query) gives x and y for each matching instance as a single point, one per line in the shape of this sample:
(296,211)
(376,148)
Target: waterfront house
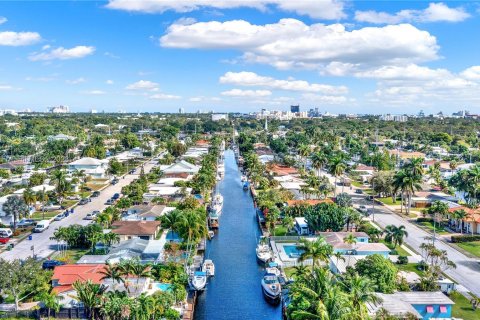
(90,166)
(146,251)
(181,167)
(146,212)
(278,170)
(127,230)
(424,305)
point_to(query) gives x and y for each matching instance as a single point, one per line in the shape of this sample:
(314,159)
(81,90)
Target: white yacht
(271,288)
(198,280)
(208,267)
(264,254)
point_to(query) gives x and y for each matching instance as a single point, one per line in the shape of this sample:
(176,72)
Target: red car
(4,240)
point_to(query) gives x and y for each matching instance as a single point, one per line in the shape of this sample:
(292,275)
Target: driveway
(41,242)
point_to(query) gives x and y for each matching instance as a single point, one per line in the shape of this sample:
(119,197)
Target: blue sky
(240,55)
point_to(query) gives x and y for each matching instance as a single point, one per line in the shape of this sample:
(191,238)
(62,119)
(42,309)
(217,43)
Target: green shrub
(402,260)
(394,252)
(465,238)
(424,220)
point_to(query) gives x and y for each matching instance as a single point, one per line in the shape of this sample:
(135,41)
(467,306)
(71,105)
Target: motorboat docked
(264,254)
(272,268)
(244,178)
(217,203)
(213,221)
(211,234)
(218,199)
(271,288)
(246,185)
(198,280)
(208,267)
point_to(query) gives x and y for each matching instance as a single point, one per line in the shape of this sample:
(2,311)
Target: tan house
(147,230)
(470,224)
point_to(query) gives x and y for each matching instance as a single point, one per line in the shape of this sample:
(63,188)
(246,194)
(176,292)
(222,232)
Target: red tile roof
(282,170)
(310,202)
(67,274)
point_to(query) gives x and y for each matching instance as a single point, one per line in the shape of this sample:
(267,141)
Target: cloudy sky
(241,55)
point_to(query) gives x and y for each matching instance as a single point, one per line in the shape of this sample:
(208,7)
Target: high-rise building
(295,109)
(59,109)
(181,110)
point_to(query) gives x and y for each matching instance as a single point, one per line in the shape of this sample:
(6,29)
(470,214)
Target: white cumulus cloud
(472,73)
(290,43)
(246,93)
(3,20)
(76,81)
(252,79)
(15,39)
(62,53)
(435,12)
(143,85)
(321,9)
(164,96)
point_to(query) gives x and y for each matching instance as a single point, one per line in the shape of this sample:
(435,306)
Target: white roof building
(90,166)
(181,167)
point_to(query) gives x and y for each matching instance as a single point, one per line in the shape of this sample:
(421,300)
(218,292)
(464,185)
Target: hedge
(465,238)
(424,220)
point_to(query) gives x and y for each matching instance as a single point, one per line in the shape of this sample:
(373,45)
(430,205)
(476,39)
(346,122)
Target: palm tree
(351,240)
(361,291)
(61,184)
(395,235)
(318,250)
(15,207)
(89,294)
(459,216)
(42,196)
(408,183)
(303,151)
(51,301)
(288,222)
(300,272)
(29,196)
(112,272)
(336,168)
(319,160)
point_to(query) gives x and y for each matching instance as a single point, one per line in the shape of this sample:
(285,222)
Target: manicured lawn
(48,215)
(280,231)
(409,267)
(471,247)
(71,255)
(400,250)
(387,201)
(357,184)
(96,186)
(429,226)
(462,308)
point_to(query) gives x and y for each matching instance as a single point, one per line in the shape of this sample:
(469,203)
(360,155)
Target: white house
(60,137)
(181,167)
(90,166)
(301,226)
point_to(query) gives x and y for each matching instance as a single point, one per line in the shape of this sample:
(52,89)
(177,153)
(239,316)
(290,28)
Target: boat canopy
(200,273)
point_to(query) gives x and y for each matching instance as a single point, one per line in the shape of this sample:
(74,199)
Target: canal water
(235,292)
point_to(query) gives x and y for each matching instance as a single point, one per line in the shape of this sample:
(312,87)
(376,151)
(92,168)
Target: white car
(363,209)
(92,215)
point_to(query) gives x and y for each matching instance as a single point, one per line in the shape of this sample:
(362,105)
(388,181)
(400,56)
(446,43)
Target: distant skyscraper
(295,109)
(181,110)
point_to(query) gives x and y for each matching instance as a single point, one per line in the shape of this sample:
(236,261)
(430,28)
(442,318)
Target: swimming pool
(163,286)
(292,251)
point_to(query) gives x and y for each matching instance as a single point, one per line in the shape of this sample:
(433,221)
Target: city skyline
(159,56)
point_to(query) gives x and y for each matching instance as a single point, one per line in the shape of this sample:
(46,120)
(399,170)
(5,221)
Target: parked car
(51,264)
(132,171)
(26,223)
(6,232)
(83,201)
(363,209)
(52,207)
(369,198)
(110,202)
(59,216)
(41,226)
(359,191)
(4,240)
(95,194)
(92,215)
(116,196)
(115,181)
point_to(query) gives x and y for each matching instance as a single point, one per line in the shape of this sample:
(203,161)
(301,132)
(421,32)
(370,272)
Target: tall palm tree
(304,151)
(61,184)
(318,250)
(113,272)
(319,160)
(351,240)
(89,294)
(395,235)
(459,216)
(42,196)
(336,168)
(361,291)
(29,196)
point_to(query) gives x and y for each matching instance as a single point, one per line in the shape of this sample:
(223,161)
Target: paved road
(467,272)
(43,246)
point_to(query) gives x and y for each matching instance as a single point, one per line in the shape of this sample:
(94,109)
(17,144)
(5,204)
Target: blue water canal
(235,292)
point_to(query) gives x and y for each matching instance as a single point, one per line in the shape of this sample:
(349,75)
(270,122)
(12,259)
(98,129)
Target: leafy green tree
(326,217)
(380,270)
(37,179)
(344,200)
(115,167)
